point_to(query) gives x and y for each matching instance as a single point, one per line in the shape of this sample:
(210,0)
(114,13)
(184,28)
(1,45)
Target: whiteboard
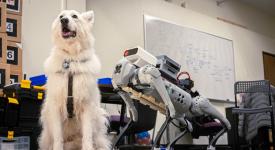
(209,59)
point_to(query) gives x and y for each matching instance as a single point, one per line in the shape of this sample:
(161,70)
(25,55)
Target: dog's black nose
(64,21)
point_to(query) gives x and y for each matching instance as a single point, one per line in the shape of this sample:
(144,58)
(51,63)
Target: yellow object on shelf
(13,100)
(26,84)
(10,135)
(39,87)
(40,96)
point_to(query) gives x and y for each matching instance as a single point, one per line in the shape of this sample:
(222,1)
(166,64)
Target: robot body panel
(123,72)
(181,100)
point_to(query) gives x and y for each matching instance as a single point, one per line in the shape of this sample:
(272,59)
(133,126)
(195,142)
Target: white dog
(73,54)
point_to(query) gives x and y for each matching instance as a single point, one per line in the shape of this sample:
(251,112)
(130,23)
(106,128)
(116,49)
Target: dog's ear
(89,16)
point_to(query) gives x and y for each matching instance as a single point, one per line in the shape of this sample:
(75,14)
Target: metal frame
(168,119)
(121,134)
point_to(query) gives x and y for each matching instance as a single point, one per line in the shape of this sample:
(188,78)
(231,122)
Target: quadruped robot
(153,81)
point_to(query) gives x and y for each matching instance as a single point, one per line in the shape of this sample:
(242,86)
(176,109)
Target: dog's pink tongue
(66,33)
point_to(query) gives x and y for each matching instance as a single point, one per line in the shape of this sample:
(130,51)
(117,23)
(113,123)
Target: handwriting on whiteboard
(208,58)
(199,60)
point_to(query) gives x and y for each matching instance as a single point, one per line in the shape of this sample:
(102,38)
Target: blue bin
(104,81)
(38,80)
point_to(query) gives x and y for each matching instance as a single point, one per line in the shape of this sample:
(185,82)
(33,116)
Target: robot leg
(203,106)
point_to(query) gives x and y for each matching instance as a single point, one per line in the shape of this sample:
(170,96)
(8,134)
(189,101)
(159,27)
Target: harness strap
(70,98)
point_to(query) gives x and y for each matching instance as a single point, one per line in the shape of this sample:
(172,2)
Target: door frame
(266,53)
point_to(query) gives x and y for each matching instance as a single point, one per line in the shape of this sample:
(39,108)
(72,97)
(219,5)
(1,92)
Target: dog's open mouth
(67,33)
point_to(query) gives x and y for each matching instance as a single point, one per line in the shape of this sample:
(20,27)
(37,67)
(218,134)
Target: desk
(109,96)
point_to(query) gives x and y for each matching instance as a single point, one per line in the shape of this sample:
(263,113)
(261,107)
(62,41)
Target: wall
(37,18)
(234,10)
(119,25)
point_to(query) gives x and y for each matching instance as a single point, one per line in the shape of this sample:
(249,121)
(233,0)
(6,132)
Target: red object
(182,73)
(126,53)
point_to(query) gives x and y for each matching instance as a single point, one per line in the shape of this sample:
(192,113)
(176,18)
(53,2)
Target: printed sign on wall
(15,76)
(13,27)
(14,56)
(13,79)
(14,6)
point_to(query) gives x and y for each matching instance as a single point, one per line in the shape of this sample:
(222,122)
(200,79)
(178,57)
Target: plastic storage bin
(18,143)
(30,99)
(104,81)
(38,80)
(22,103)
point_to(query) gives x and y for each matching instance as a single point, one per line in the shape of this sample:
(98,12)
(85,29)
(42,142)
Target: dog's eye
(60,16)
(74,16)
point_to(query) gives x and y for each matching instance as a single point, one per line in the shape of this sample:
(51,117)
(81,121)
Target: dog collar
(67,62)
(66,65)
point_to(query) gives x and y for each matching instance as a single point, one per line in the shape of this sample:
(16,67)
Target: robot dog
(152,80)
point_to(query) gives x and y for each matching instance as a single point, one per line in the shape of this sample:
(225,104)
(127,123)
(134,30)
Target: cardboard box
(15,76)
(14,55)
(13,27)
(4,75)
(3,15)
(14,7)
(3,47)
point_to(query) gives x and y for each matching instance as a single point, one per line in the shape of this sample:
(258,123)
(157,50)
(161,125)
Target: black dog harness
(70,98)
